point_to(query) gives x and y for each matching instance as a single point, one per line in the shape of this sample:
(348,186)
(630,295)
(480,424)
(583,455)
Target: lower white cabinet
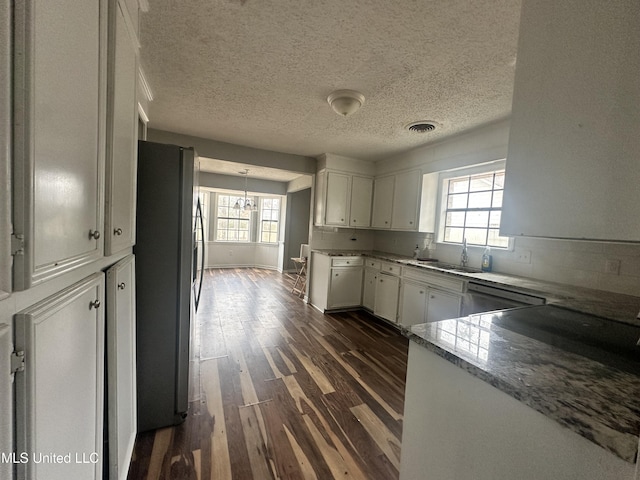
(413,306)
(6,399)
(442,305)
(387,290)
(59,394)
(121,366)
(369,288)
(336,281)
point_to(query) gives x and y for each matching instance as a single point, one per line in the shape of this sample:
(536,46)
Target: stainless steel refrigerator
(168,279)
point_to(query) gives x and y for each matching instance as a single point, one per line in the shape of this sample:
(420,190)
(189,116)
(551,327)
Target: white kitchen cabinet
(336,282)
(387,291)
(406,201)
(5,147)
(6,399)
(121,366)
(343,200)
(345,288)
(413,304)
(360,205)
(338,194)
(382,202)
(59,136)
(442,305)
(59,395)
(369,288)
(572,169)
(122,147)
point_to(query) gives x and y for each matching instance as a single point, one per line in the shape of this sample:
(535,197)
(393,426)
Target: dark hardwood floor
(281,391)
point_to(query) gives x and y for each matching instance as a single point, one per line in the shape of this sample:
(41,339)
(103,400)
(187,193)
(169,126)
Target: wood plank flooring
(281,391)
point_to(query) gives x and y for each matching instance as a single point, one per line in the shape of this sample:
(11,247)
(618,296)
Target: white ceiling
(257,73)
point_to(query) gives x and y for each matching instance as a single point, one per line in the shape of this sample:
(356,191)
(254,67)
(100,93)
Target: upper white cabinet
(6,398)
(573,161)
(121,366)
(58,136)
(405,201)
(59,394)
(343,200)
(122,135)
(382,202)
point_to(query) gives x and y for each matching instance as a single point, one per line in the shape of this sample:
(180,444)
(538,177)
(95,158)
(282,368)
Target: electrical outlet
(612,266)
(523,256)
(231,253)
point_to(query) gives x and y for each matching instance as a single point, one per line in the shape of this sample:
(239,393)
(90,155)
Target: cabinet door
(59,135)
(382,202)
(369,288)
(442,305)
(122,146)
(406,198)
(5,147)
(59,395)
(121,365)
(320,193)
(337,200)
(361,197)
(6,399)
(345,288)
(413,307)
(387,290)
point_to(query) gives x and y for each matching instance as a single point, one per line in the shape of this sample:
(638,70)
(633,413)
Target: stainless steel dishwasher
(481,298)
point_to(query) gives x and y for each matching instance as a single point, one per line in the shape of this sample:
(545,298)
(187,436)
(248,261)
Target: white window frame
(215,218)
(444,177)
(261,221)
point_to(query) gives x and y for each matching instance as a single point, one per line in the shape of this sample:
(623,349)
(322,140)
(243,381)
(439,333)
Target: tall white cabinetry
(121,132)
(59,394)
(405,201)
(5,146)
(382,202)
(572,169)
(58,136)
(121,365)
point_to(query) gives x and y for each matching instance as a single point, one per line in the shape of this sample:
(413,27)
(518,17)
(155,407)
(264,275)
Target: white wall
(564,261)
(232,255)
(341,238)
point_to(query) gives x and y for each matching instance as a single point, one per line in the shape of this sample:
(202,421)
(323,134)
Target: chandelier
(246,204)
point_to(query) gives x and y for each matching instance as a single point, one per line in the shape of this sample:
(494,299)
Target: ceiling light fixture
(247,204)
(345,102)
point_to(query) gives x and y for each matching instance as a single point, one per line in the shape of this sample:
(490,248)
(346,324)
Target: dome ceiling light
(345,102)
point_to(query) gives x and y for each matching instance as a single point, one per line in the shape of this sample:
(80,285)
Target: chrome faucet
(464,258)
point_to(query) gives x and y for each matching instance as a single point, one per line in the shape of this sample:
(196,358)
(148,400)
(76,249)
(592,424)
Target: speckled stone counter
(599,403)
(614,306)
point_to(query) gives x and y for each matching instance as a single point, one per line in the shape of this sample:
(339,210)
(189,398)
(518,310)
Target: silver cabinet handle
(95,234)
(121,286)
(95,304)
(117,231)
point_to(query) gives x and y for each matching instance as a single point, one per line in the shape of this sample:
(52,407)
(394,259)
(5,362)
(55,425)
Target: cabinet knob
(432,296)
(95,304)
(410,223)
(117,231)
(421,292)
(121,286)
(385,222)
(348,263)
(337,274)
(95,234)
(342,219)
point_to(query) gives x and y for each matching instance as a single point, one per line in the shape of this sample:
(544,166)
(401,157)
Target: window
(472,209)
(269,217)
(232,225)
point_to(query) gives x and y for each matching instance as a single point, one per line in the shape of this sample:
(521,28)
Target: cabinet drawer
(391,268)
(347,261)
(441,280)
(370,263)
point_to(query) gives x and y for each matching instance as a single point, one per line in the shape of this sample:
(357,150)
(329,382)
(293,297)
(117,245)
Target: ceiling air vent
(421,127)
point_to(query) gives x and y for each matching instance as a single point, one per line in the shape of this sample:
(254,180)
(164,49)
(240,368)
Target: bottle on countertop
(416,252)
(487,260)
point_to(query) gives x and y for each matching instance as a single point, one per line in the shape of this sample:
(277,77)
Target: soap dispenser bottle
(416,252)
(486,264)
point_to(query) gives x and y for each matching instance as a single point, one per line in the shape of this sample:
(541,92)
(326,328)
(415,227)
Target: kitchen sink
(450,267)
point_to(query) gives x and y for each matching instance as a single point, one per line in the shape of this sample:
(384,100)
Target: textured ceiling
(257,73)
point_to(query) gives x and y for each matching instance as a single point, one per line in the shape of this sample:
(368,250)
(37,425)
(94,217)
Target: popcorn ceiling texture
(258,73)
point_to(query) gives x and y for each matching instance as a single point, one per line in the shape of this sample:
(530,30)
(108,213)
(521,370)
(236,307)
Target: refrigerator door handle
(202,256)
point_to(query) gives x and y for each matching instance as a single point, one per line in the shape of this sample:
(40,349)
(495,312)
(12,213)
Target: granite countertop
(614,306)
(598,402)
